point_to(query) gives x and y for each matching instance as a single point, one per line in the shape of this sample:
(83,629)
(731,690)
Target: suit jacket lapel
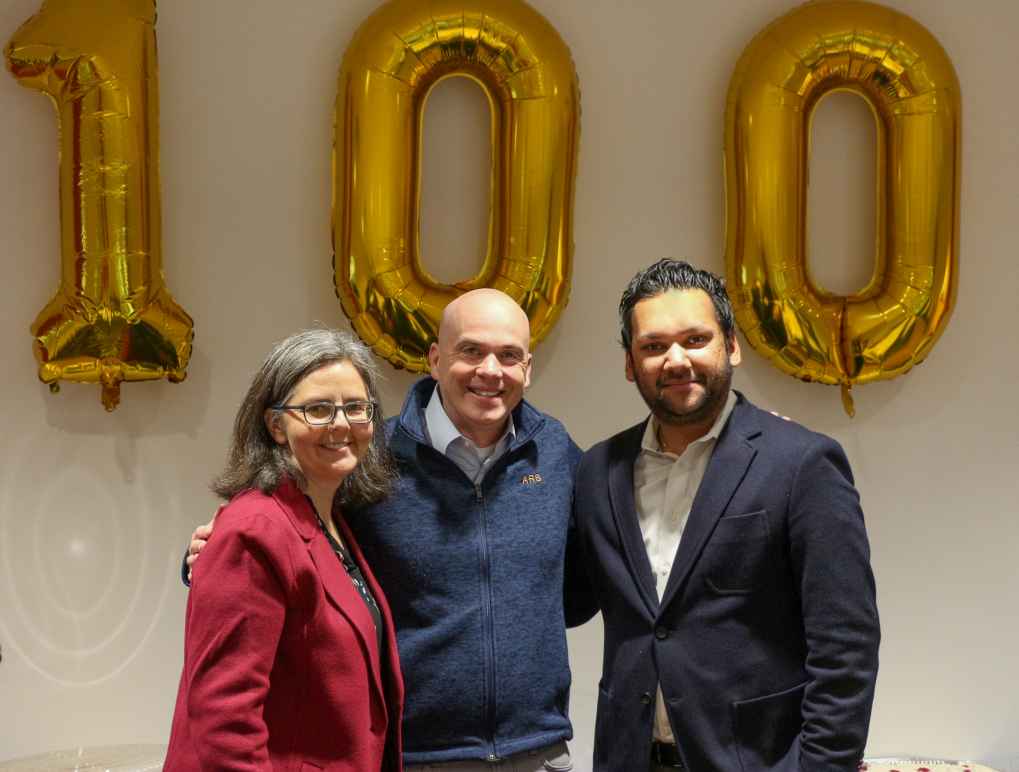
(392,663)
(729,463)
(624,510)
(340,590)
(338,586)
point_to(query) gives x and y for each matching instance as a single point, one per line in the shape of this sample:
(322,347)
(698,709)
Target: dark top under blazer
(765,642)
(281,665)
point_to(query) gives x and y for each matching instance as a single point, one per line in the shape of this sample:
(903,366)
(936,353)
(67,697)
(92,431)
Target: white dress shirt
(664,486)
(474,461)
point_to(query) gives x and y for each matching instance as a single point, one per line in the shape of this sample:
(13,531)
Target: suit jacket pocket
(736,555)
(767,730)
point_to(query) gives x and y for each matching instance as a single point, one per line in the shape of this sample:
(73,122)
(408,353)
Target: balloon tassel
(110,376)
(847,399)
(111,396)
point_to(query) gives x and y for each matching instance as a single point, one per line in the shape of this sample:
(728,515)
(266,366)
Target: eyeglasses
(324,413)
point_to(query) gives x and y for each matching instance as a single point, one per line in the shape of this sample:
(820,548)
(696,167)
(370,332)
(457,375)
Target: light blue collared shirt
(447,439)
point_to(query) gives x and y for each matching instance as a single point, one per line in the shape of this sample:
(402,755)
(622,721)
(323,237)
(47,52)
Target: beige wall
(95,508)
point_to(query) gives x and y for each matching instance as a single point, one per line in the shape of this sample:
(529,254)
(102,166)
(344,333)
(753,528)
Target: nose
(340,418)
(676,355)
(490,365)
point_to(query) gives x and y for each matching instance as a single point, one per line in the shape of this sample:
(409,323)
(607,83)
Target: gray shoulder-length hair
(255,460)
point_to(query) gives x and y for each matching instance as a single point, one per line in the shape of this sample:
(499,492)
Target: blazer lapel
(340,590)
(729,463)
(624,510)
(392,663)
(337,585)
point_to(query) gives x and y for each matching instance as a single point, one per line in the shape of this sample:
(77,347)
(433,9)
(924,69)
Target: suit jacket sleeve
(830,557)
(236,612)
(579,600)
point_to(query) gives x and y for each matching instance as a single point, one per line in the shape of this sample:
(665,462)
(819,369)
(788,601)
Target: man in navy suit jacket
(729,559)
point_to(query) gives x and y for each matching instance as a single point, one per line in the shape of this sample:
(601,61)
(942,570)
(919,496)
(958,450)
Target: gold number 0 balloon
(907,79)
(396,57)
(112,318)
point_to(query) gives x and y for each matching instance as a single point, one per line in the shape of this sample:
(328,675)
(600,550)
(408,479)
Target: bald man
(469,550)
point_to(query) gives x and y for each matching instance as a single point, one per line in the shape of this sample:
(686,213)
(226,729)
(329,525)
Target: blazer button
(646,698)
(661,633)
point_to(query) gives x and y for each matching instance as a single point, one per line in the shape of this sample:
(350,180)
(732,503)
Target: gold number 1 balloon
(907,79)
(112,319)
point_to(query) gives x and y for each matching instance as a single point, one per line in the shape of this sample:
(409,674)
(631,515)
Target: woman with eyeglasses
(290,657)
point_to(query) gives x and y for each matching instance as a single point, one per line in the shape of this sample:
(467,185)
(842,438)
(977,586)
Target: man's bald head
(491,306)
(482,362)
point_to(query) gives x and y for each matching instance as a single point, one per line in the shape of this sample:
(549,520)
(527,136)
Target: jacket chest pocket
(736,557)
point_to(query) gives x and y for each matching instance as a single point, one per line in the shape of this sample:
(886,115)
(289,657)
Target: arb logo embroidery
(530,479)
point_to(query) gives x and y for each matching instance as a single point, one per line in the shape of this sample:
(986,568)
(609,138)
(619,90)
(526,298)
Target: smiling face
(481,363)
(324,454)
(680,360)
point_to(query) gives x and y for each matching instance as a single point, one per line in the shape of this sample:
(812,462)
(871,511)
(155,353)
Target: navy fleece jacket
(474,577)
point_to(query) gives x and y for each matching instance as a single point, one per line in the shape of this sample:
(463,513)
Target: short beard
(716,391)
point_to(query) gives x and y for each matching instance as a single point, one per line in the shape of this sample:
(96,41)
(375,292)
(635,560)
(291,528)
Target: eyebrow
(658,335)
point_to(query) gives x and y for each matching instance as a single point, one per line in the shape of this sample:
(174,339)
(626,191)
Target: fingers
(199,538)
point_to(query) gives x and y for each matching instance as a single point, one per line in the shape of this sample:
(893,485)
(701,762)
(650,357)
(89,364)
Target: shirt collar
(442,431)
(650,441)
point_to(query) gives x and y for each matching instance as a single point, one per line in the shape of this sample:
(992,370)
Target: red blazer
(281,668)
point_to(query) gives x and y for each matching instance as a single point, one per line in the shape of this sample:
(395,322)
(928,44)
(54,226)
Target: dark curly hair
(668,274)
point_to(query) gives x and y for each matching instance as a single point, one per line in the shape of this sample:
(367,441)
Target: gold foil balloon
(395,58)
(907,79)
(112,319)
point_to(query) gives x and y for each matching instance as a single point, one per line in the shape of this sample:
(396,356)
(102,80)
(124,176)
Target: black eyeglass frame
(336,408)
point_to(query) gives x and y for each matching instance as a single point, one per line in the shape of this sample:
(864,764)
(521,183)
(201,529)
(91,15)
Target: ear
(272,423)
(735,355)
(433,360)
(527,370)
(629,367)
